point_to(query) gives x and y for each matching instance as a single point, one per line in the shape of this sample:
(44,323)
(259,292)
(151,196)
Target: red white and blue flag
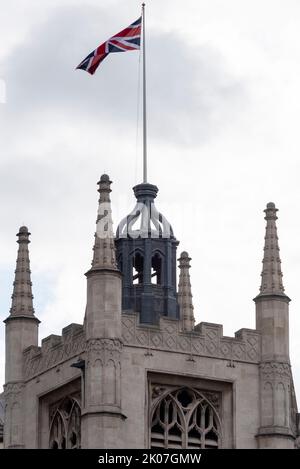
(128,39)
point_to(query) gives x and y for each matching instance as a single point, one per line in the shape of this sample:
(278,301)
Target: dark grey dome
(145,221)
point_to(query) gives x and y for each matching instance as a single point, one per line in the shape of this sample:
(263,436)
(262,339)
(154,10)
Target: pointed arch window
(137,269)
(184,418)
(65,425)
(156,266)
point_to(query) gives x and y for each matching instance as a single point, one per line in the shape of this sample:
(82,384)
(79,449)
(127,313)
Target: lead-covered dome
(145,221)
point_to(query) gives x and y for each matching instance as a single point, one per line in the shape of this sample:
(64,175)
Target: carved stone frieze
(104,349)
(205,340)
(38,360)
(12,399)
(104,345)
(275,371)
(13,391)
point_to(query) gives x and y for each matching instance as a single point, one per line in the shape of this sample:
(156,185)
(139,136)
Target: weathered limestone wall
(204,359)
(241,404)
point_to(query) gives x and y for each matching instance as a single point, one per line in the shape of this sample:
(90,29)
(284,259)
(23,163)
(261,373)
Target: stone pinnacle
(271,276)
(22,297)
(104,246)
(185,293)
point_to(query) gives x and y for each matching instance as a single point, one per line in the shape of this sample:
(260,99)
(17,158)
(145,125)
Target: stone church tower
(139,373)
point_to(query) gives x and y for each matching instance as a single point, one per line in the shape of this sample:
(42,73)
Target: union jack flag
(128,39)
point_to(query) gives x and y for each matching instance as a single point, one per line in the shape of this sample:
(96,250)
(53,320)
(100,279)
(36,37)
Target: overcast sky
(223,115)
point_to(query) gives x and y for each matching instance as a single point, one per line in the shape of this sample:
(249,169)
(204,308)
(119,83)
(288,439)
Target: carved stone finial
(185,293)
(104,188)
(270,211)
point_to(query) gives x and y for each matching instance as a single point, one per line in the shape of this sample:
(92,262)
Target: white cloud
(223,141)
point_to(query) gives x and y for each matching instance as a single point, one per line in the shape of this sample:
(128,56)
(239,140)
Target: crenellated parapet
(55,349)
(205,340)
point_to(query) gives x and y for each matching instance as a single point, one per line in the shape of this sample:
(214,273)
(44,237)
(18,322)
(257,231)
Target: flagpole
(144,102)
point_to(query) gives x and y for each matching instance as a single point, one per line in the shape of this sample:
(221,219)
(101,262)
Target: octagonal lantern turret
(146,255)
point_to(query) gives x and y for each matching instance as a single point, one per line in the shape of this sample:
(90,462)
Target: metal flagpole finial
(144,102)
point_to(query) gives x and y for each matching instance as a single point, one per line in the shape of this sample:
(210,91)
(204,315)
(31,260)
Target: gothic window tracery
(65,425)
(184,418)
